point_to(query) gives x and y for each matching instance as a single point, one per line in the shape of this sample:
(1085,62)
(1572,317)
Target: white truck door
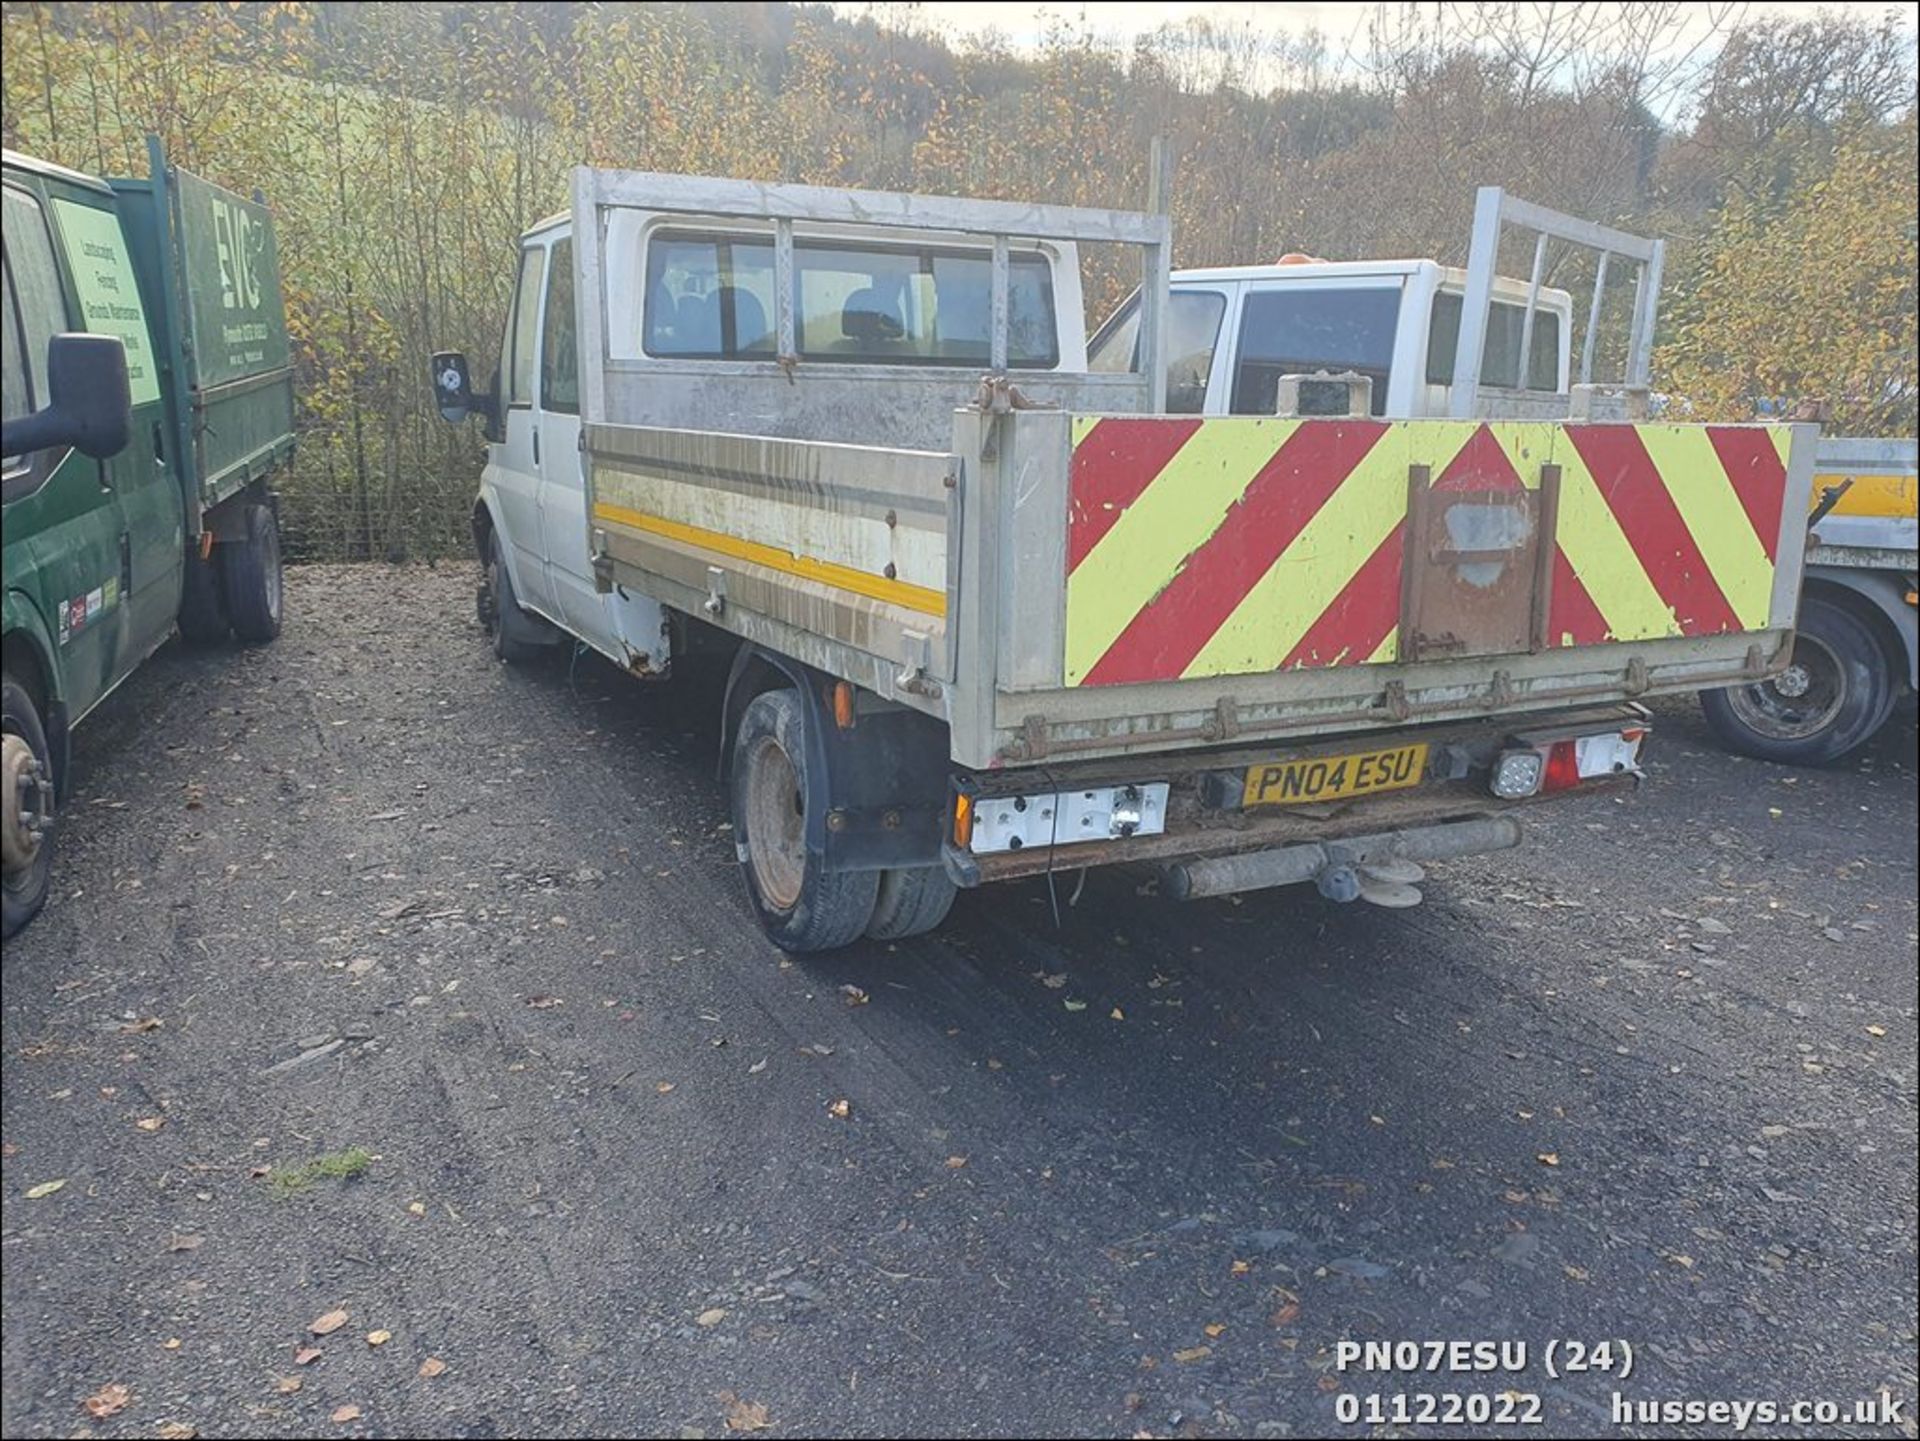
(514,464)
(562,489)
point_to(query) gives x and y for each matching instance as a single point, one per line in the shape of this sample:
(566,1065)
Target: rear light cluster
(1543,767)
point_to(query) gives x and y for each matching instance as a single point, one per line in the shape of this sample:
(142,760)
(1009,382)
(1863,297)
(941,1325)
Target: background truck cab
(110,545)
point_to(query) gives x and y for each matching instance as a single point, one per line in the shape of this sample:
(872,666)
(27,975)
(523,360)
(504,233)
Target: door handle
(159,445)
(536,447)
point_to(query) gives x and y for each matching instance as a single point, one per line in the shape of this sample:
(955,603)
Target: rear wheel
(1834,694)
(802,905)
(26,809)
(250,575)
(911,902)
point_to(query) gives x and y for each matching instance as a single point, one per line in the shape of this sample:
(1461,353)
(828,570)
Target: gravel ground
(1651,1078)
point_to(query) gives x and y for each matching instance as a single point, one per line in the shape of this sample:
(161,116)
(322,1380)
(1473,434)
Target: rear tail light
(1563,767)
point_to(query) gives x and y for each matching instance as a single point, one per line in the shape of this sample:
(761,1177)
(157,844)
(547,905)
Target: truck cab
(1234,331)
(148,400)
(693,313)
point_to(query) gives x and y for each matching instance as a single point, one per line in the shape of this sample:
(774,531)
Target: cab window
(1299,330)
(1193,330)
(559,353)
(1500,360)
(35,312)
(526,327)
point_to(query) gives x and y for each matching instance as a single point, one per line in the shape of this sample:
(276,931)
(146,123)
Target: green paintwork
(94,551)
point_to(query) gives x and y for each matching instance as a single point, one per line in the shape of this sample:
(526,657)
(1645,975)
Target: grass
(334,1166)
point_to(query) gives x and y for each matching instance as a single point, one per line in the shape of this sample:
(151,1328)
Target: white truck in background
(991,611)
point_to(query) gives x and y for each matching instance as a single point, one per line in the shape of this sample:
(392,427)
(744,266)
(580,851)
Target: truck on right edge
(1856,646)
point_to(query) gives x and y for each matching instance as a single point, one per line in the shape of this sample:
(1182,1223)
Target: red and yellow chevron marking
(1233,546)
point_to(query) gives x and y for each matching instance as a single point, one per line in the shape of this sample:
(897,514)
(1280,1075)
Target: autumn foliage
(404,146)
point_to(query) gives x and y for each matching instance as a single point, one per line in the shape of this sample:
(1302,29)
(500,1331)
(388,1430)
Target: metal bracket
(716,601)
(1394,698)
(1501,692)
(1637,678)
(1033,737)
(917,648)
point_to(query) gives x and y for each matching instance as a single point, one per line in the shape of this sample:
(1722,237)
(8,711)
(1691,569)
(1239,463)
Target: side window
(1193,330)
(559,353)
(36,279)
(526,326)
(18,399)
(1500,360)
(1298,330)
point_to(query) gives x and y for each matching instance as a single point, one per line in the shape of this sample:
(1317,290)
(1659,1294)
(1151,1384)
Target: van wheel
(1834,694)
(500,611)
(203,610)
(911,902)
(250,575)
(26,809)
(801,905)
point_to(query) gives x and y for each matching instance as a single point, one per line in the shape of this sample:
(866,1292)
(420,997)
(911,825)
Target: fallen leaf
(758,1066)
(1116,1014)
(854,996)
(1214,1330)
(107,1401)
(1074,1005)
(1240,1268)
(1548,1158)
(432,1366)
(544,1003)
(744,1415)
(1575,1273)
(840,1110)
(1054,982)
(326,1325)
(185,1243)
(954,1163)
(664,1087)
(1876,1030)
(151,1123)
(1286,1314)
(1680,1260)
(287,1385)
(1192,1353)
(177,1431)
(712,1316)
(45,1188)
(343,1414)
(172,1343)
(307,1355)
(143,1025)
(416,1208)
(379,1338)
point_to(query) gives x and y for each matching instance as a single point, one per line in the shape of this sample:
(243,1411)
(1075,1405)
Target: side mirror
(89,400)
(452,386)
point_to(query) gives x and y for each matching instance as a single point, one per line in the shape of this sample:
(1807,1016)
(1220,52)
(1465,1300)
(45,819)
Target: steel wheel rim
(1800,703)
(776,824)
(23,780)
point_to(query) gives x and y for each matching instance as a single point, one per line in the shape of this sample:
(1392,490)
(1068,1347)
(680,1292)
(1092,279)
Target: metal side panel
(1876,520)
(845,545)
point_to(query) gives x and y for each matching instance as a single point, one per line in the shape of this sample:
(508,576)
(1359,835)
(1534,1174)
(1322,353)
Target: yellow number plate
(1332,778)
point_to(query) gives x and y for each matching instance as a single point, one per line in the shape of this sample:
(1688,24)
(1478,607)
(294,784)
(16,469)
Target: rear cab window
(712,297)
(1193,332)
(1500,359)
(1300,329)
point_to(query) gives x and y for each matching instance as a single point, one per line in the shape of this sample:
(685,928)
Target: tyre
(1834,694)
(26,809)
(802,905)
(506,624)
(203,609)
(911,902)
(250,575)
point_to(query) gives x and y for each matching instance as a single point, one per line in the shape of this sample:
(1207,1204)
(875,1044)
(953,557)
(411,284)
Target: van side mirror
(89,400)
(453,390)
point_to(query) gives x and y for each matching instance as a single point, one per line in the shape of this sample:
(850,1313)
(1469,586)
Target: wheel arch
(27,655)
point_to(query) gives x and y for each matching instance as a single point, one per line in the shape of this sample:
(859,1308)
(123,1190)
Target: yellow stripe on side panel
(840,577)
(1690,469)
(1601,557)
(1891,496)
(1166,523)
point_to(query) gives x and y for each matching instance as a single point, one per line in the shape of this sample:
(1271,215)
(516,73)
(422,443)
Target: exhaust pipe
(1329,863)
